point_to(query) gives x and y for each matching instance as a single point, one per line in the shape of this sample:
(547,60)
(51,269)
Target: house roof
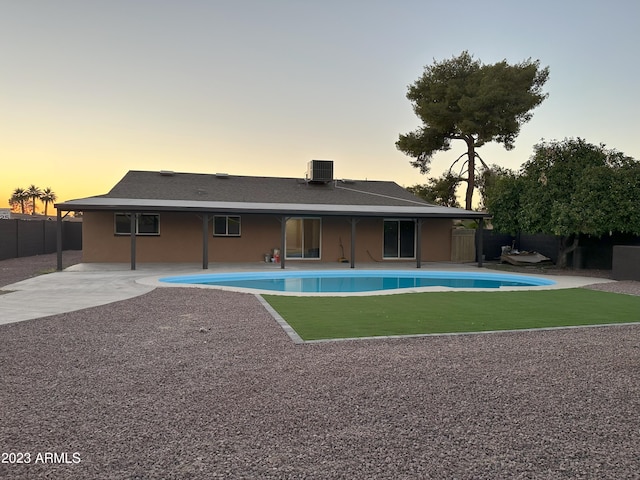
(169,191)
(233,188)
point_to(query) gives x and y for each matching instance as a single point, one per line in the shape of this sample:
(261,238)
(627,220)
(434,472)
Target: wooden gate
(463,245)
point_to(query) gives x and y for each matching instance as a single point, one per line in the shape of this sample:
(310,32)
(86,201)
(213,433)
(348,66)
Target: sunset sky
(90,89)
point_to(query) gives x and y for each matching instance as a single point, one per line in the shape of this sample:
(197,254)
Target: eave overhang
(286,209)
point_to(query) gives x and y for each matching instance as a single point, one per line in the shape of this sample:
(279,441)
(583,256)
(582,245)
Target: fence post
(43,238)
(17,238)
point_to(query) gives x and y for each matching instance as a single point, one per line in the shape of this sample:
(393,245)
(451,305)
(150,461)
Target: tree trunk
(566,249)
(471,175)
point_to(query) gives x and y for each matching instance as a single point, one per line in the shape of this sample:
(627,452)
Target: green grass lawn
(317,318)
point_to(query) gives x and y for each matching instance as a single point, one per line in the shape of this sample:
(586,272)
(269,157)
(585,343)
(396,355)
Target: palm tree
(34,193)
(19,195)
(48,196)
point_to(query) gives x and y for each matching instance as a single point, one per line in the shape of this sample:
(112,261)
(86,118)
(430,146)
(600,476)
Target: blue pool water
(345,281)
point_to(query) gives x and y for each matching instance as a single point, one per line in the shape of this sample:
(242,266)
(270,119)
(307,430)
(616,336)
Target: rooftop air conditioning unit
(320,171)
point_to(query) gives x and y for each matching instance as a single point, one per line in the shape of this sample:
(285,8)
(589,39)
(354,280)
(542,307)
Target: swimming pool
(356,281)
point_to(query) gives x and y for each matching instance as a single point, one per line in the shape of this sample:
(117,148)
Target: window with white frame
(146,224)
(226,226)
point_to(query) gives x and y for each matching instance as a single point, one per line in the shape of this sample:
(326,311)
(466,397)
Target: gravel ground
(190,383)
(628,287)
(17,269)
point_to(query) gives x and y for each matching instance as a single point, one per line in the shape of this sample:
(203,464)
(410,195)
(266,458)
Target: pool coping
(560,282)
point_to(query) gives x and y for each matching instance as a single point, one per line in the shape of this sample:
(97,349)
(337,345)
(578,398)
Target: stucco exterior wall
(180,240)
(436,240)
(260,234)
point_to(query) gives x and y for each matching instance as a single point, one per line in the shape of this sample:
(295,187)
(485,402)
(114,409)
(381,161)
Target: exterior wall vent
(222,175)
(166,173)
(320,171)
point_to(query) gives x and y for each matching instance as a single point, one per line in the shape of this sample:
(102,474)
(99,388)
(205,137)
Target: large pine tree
(462,99)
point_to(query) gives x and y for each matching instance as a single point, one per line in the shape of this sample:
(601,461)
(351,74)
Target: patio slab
(65,291)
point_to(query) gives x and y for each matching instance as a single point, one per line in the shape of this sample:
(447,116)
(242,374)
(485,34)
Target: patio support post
(59,240)
(133,240)
(205,241)
(353,242)
(283,237)
(418,243)
(480,242)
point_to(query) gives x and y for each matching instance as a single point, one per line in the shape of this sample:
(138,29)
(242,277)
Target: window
(226,226)
(302,238)
(146,224)
(399,239)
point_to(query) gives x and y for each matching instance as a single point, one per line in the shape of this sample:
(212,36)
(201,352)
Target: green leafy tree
(502,199)
(462,99)
(48,196)
(569,188)
(441,191)
(34,194)
(492,179)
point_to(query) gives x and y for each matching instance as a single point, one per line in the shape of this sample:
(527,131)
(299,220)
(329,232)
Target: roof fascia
(289,209)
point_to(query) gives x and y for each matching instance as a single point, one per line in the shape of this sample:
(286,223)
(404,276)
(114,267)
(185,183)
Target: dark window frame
(235,220)
(127,232)
(401,242)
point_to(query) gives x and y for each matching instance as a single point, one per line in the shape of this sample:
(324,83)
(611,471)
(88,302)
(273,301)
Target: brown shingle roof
(233,188)
(168,191)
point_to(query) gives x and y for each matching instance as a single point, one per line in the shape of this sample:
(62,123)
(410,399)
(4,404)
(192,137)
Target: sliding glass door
(399,239)
(302,238)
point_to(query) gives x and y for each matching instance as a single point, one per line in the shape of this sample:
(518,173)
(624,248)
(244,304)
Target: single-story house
(165,216)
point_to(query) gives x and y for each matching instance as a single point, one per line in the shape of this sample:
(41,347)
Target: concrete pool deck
(88,285)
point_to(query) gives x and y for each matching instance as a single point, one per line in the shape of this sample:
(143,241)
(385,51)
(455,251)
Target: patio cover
(409,209)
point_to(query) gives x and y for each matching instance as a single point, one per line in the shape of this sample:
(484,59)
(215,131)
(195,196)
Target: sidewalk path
(66,291)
